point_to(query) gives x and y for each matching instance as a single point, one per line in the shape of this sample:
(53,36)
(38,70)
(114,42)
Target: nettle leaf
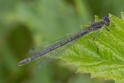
(100,53)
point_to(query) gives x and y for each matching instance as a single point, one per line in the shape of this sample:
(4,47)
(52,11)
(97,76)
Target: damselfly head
(106,20)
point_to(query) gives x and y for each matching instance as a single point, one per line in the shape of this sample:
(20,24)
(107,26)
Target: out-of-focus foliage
(25,24)
(103,7)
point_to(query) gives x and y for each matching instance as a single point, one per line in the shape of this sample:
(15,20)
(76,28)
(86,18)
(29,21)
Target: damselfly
(93,27)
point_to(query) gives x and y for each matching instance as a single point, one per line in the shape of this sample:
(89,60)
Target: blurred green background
(27,24)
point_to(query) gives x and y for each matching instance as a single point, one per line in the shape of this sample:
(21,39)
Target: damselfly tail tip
(23,62)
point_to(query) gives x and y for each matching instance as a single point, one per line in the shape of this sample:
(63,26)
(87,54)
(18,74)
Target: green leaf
(100,53)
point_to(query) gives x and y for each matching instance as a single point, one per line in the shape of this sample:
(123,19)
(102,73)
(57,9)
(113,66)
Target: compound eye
(106,20)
